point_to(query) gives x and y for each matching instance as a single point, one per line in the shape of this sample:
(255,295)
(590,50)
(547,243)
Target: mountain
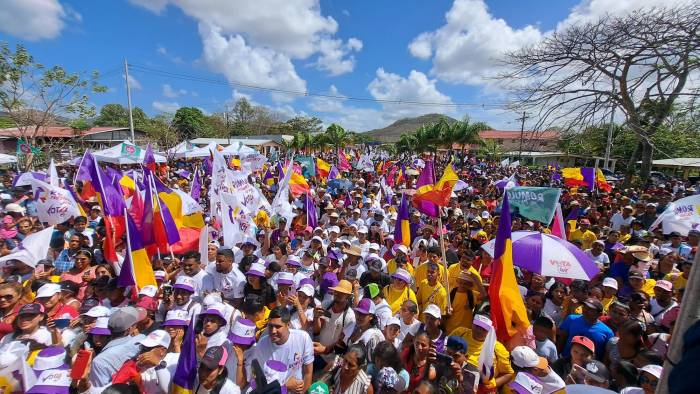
(392,132)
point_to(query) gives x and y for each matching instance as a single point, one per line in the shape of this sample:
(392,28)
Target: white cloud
(336,56)
(166,106)
(239,62)
(34,20)
(169,92)
(417,87)
(163,51)
(467,47)
(269,34)
(134,83)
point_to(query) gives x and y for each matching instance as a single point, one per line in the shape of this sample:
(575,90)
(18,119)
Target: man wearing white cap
(597,255)
(191,267)
(356,219)
(525,359)
(362,241)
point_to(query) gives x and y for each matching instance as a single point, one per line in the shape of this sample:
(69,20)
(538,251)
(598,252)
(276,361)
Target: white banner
(681,215)
(219,183)
(254,162)
(53,204)
(15,374)
(189,205)
(505,162)
(31,249)
(237,222)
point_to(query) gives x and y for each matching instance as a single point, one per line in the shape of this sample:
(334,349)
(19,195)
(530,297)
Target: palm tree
(319,142)
(466,133)
(337,137)
(492,149)
(407,143)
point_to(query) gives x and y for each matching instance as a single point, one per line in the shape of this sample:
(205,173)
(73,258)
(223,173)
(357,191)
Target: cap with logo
(215,357)
(148,291)
(585,342)
(31,309)
(156,338)
(597,371)
(525,383)
(184,282)
(243,332)
(402,275)
(177,318)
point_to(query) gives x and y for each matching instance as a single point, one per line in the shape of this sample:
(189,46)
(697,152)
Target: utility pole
(128,100)
(522,134)
(228,126)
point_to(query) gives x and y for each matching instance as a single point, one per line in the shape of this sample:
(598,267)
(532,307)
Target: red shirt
(62,309)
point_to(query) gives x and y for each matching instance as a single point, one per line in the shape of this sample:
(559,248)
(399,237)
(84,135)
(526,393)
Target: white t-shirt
(42,335)
(408,328)
(617,220)
(229,388)
(295,353)
(658,311)
(334,327)
(601,260)
(198,278)
(230,285)
(157,379)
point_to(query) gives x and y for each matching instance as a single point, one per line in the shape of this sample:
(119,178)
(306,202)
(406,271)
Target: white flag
(53,174)
(514,164)
(32,248)
(681,215)
(204,244)
(505,162)
(219,183)
(237,222)
(53,204)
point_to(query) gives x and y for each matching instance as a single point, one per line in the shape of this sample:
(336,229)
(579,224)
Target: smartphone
(167,290)
(327,313)
(443,366)
(82,359)
(61,323)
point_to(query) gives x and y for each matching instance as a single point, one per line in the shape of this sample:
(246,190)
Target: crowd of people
(342,308)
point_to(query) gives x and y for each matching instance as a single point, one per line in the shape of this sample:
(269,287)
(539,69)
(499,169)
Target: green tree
(337,136)
(302,124)
(161,132)
(34,96)
(189,123)
(118,115)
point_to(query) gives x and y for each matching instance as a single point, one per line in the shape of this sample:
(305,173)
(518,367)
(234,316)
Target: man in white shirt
(289,346)
(191,267)
(619,219)
(225,278)
(596,254)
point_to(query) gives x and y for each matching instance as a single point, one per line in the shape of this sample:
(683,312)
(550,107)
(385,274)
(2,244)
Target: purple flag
(588,174)
(348,201)
(402,229)
(183,174)
(310,207)
(164,225)
(111,197)
(149,160)
(333,173)
(207,165)
(146,225)
(196,187)
(186,370)
(426,178)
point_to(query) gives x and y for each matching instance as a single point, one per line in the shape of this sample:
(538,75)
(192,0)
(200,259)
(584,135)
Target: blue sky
(437,51)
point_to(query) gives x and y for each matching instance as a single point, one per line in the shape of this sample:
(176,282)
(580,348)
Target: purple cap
(54,381)
(256,269)
(365,306)
(216,309)
(285,278)
(293,261)
(242,332)
(101,327)
(307,281)
(329,280)
(52,357)
(402,275)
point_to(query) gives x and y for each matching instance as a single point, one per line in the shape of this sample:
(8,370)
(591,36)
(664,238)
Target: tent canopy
(124,153)
(238,148)
(188,151)
(7,159)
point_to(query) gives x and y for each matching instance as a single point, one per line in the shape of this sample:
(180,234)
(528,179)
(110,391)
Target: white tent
(124,153)
(180,148)
(193,152)
(7,159)
(237,148)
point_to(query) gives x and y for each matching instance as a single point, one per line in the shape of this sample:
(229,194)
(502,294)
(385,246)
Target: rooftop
(56,131)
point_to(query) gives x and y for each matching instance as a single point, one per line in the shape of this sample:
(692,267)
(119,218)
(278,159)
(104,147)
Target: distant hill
(393,132)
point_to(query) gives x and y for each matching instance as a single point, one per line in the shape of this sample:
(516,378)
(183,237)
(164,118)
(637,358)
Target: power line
(219,82)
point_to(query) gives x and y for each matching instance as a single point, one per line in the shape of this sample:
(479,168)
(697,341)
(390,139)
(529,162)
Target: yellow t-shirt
(586,237)
(395,298)
(391,267)
(502,360)
(624,238)
(427,294)
(422,272)
(607,302)
(678,280)
(462,314)
(648,287)
(453,273)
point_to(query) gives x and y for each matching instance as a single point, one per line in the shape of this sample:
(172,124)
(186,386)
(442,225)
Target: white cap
(98,311)
(655,370)
(393,216)
(334,229)
(433,310)
(393,321)
(148,291)
(356,210)
(48,290)
(610,282)
(363,229)
(379,211)
(317,238)
(307,289)
(524,357)
(526,383)
(156,338)
(373,246)
(211,298)
(185,282)
(402,248)
(485,214)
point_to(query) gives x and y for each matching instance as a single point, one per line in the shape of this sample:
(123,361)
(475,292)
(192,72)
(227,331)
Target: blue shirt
(112,357)
(63,262)
(597,332)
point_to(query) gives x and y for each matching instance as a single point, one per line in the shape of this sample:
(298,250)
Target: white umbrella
(7,159)
(195,152)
